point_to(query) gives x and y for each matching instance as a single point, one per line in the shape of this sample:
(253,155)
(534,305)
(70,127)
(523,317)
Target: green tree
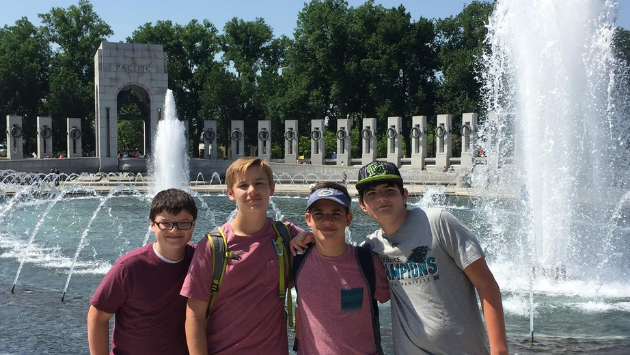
(316,61)
(24,65)
(76,33)
(190,57)
(622,43)
(250,50)
(460,40)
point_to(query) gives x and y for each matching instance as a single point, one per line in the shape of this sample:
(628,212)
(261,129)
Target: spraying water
(169,163)
(555,90)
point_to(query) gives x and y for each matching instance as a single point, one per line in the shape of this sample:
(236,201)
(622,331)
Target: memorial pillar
(237,138)
(418,142)
(44,137)
(15,145)
(264,140)
(394,140)
(443,139)
(75,149)
(469,128)
(317,142)
(368,141)
(290,141)
(344,141)
(210,139)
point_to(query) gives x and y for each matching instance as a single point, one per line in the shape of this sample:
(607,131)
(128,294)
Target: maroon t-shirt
(143,292)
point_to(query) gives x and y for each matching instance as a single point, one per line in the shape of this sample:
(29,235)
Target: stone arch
(127,72)
(139,98)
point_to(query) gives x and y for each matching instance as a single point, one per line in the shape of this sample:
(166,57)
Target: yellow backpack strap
(282,249)
(220,254)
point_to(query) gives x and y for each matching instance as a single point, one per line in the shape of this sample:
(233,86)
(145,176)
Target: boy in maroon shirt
(142,287)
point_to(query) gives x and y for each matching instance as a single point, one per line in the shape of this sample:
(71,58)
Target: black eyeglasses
(182,226)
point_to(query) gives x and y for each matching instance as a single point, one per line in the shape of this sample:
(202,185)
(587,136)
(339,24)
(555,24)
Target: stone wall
(68,166)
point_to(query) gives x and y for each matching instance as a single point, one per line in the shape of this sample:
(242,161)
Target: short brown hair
(173,201)
(241,165)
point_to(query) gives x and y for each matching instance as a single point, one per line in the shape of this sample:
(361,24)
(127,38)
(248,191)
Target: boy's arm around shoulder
(490,297)
(98,331)
(293,229)
(381,293)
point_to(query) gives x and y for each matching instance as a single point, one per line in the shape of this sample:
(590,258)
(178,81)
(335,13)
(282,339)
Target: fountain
(556,139)
(169,162)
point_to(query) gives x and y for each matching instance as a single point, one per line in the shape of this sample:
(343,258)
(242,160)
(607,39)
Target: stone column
(469,129)
(75,149)
(317,142)
(15,146)
(291,140)
(44,137)
(237,138)
(264,140)
(394,140)
(210,139)
(418,142)
(443,138)
(344,141)
(368,141)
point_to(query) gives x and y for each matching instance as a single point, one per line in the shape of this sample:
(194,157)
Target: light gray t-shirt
(434,304)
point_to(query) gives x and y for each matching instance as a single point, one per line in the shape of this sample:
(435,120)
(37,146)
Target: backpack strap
(296,266)
(220,254)
(298,261)
(366,265)
(282,249)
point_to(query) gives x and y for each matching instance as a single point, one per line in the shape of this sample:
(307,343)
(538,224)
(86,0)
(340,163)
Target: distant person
(451,169)
(142,287)
(342,163)
(334,155)
(444,169)
(336,301)
(247,313)
(424,168)
(345,178)
(61,156)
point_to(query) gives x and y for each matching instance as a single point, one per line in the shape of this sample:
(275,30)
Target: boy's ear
(272,187)
(230,194)
(362,205)
(349,219)
(405,196)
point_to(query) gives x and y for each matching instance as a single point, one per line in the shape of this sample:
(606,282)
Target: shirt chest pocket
(352,299)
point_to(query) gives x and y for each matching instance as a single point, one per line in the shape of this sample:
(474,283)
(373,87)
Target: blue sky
(124,16)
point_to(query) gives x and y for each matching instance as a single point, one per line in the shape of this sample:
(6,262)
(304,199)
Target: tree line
(342,62)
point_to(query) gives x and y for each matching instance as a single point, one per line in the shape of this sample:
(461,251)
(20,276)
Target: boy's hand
(300,242)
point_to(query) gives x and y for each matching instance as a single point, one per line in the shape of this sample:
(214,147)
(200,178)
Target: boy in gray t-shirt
(434,264)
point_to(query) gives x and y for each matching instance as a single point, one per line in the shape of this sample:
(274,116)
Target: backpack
(220,254)
(366,266)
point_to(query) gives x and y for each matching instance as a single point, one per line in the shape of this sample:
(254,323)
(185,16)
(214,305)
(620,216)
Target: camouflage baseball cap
(377,172)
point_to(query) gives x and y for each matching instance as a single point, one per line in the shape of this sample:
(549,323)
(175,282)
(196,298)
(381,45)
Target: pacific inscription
(133,68)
